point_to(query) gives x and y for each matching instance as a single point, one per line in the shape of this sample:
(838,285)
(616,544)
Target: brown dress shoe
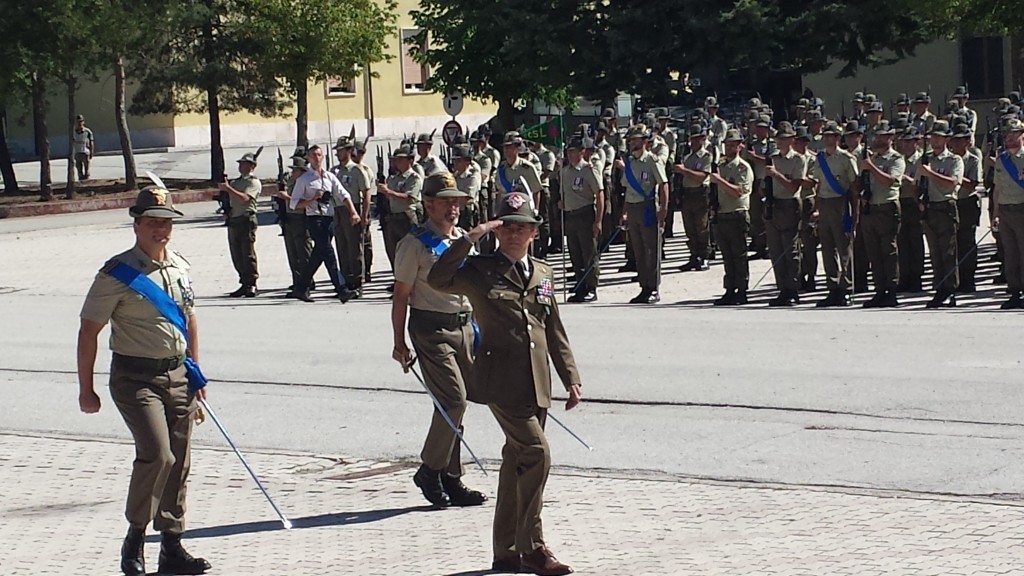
(543,563)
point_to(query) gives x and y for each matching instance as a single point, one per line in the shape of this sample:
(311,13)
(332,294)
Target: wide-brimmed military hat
(475,136)
(512,138)
(884,129)
(516,207)
(300,152)
(299,163)
(754,103)
(711,102)
(876,106)
(442,185)
(1002,105)
(462,151)
(344,142)
(801,133)
(1013,125)
(764,121)
(425,138)
(154,202)
(403,151)
(831,129)
(961,92)
(911,133)
(698,131)
(815,115)
(785,130)
(589,143)
(869,98)
(940,128)
(608,113)
(922,98)
(248,157)
(733,136)
(852,127)
(359,147)
(902,99)
(962,131)
(802,104)
(637,131)
(575,143)
(858,97)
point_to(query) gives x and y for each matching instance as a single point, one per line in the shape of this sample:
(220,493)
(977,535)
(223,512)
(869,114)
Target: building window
(414,74)
(341,87)
(982,64)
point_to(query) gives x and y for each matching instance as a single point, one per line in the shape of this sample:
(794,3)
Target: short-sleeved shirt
(844,169)
(431,165)
(608,155)
(649,172)
(370,177)
(794,167)
(738,172)
(908,188)
(716,133)
(972,172)
(947,164)
(660,149)
(580,185)
(547,164)
(353,179)
(82,140)
(483,159)
(413,261)
(494,155)
(763,148)
(698,160)
(807,190)
(893,164)
(136,327)
(520,168)
(469,181)
(411,183)
(250,186)
(597,161)
(1008,190)
(670,141)
(310,185)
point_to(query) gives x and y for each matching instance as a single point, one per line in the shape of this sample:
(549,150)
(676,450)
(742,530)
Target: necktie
(521,271)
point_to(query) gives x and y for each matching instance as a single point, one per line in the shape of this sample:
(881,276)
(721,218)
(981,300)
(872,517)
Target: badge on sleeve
(545,291)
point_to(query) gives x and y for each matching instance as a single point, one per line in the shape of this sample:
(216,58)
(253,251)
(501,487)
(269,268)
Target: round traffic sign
(453,103)
(451,131)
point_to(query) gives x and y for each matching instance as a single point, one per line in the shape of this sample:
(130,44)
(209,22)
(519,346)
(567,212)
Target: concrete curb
(107,202)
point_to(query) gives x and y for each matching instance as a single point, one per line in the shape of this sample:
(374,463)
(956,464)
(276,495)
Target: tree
(206,62)
(502,50)
(316,40)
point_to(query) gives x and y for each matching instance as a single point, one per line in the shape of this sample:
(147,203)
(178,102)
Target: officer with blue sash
(1009,211)
(836,211)
(146,296)
(442,335)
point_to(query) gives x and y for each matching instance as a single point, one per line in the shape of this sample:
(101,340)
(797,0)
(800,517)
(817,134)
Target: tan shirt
(251,187)
(483,160)
(607,150)
(736,171)
(136,327)
(353,179)
(893,164)
(431,165)
(807,190)
(660,149)
(844,169)
(547,164)
(410,183)
(972,172)
(700,161)
(512,173)
(413,261)
(794,167)
(649,172)
(469,181)
(908,189)
(580,185)
(1007,190)
(947,164)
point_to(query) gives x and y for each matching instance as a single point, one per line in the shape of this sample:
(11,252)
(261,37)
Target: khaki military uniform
(520,330)
(469,182)
(880,224)
(833,209)
(580,186)
(242,228)
(808,228)
(694,204)
(782,232)
(1009,198)
(763,148)
(968,206)
(348,236)
(298,245)
(149,385)
(551,227)
(942,220)
(734,223)
(431,165)
(403,215)
(641,214)
(486,198)
(441,334)
(371,178)
(911,235)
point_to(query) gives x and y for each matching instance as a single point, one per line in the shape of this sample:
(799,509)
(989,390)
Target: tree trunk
(302,113)
(121,119)
(506,114)
(71,83)
(6,164)
(216,148)
(42,135)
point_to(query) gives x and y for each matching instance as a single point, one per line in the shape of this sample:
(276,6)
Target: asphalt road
(903,399)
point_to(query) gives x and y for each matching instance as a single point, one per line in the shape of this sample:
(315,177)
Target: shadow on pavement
(320,521)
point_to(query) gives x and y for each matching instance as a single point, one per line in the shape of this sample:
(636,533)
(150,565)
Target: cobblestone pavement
(63,499)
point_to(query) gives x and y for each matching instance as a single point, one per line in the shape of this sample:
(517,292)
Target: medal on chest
(545,291)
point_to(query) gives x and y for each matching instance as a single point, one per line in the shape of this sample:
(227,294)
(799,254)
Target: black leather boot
(429,482)
(133,559)
(175,560)
(459,494)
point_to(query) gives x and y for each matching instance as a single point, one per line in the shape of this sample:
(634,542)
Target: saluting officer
(735,180)
(880,222)
(836,211)
(945,173)
(441,334)
(782,231)
(148,380)
(513,298)
(242,194)
(644,212)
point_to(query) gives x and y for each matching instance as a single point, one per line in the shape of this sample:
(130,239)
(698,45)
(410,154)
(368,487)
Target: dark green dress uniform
(733,226)
(1009,199)
(515,306)
(880,225)
(149,386)
(942,220)
(242,228)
